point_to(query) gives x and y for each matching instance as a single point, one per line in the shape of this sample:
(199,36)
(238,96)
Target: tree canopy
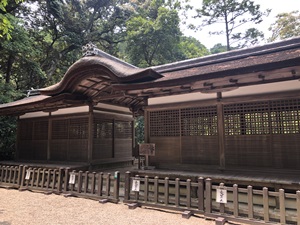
(287,25)
(233,14)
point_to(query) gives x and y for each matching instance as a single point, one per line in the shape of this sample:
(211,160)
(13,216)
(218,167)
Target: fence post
(282,206)
(222,205)
(235,200)
(156,189)
(108,185)
(100,183)
(15,175)
(208,200)
(85,187)
(20,175)
(60,178)
(43,178)
(79,182)
(166,190)
(188,193)
(177,192)
(266,204)
(54,179)
(298,206)
(117,185)
(1,173)
(66,182)
(93,183)
(127,186)
(201,193)
(146,190)
(250,202)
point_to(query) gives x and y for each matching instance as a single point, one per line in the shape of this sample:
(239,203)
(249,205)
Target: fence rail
(202,196)
(77,183)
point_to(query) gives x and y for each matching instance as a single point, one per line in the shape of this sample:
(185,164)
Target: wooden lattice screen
(103,138)
(123,139)
(33,136)
(69,139)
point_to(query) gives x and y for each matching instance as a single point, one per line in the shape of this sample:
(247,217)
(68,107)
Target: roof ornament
(90,49)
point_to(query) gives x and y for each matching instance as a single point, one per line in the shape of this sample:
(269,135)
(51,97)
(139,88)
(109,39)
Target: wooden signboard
(147,149)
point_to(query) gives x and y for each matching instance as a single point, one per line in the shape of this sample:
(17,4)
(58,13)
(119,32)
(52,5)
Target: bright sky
(277,6)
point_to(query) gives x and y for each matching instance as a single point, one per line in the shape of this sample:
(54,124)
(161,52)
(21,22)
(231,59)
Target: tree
(190,47)
(6,8)
(218,48)
(287,25)
(233,14)
(153,34)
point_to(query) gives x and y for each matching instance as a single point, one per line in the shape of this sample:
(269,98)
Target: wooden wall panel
(59,150)
(123,148)
(248,151)
(286,150)
(103,148)
(167,150)
(78,150)
(200,150)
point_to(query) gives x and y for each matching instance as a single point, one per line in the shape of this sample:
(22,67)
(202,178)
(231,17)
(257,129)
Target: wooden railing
(245,205)
(83,184)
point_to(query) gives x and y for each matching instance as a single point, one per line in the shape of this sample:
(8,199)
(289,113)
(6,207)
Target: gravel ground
(36,208)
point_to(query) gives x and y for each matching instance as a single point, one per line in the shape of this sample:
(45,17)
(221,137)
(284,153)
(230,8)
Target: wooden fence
(77,183)
(202,196)
(245,205)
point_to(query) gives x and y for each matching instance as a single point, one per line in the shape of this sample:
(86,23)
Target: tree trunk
(226,24)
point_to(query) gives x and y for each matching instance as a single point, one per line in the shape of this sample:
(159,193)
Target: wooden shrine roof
(100,77)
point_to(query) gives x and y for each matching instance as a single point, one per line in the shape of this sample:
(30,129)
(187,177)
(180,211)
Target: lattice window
(199,121)
(25,130)
(123,129)
(247,118)
(164,123)
(60,129)
(103,128)
(78,128)
(285,116)
(40,130)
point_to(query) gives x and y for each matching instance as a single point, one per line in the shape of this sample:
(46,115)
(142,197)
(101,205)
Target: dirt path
(18,208)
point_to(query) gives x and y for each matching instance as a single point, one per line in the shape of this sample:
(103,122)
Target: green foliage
(233,14)
(8,124)
(6,26)
(153,34)
(287,25)
(190,47)
(218,48)
(139,129)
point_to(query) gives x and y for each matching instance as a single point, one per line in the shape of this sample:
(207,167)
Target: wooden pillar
(49,137)
(146,124)
(221,131)
(17,155)
(90,134)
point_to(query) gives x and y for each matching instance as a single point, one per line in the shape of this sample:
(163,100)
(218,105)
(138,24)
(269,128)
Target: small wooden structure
(239,109)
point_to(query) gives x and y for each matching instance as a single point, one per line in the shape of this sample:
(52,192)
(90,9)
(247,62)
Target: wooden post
(54,179)
(90,134)
(250,202)
(116,185)
(48,179)
(43,178)
(59,185)
(79,182)
(266,204)
(146,190)
(156,189)
(20,175)
(108,185)
(137,192)
(221,134)
(166,190)
(15,175)
(235,200)
(93,183)
(208,194)
(23,176)
(86,182)
(201,193)
(49,138)
(127,186)
(100,183)
(298,206)
(10,174)
(222,205)
(177,192)
(66,182)
(188,193)
(38,177)
(282,206)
